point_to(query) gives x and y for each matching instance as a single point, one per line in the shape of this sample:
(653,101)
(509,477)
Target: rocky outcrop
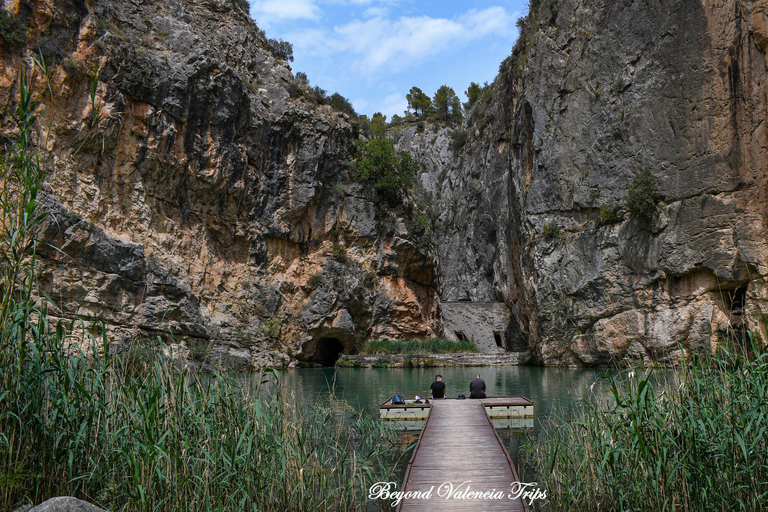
(61,504)
(197,196)
(594,93)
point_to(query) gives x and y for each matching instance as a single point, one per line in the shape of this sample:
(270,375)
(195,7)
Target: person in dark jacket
(477,387)
(437,389)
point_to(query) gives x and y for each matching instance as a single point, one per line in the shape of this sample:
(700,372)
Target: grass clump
(130,432)
(428,346)
(700,444)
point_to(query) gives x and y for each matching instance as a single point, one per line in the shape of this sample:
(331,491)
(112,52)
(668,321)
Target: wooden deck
(458,445)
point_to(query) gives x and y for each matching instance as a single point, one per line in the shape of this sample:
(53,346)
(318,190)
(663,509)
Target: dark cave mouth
(328,351)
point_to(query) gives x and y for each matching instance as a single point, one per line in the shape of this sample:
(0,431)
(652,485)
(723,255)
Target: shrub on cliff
(389,171)
(282,50)
(641,199)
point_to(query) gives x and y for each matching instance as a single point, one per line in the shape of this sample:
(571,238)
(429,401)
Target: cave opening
(328,351)
(498,340)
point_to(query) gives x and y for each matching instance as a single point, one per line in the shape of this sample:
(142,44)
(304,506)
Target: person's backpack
(397,400)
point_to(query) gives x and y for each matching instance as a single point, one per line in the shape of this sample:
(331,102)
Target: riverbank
(433,360)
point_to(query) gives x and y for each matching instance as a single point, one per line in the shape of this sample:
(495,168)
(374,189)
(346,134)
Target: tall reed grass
(701,443)
(77,419)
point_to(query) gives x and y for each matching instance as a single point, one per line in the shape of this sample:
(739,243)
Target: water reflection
(554,390)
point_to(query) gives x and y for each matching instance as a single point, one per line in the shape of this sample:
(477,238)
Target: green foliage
(378,125)
(340,252)
(473,94)
(315,280)
(422,222)
(428,346)
(365,125)
(446,105)
(418,101)
(641,198)
(458,141)
(345,362)
(551,230)
(698,444)
(281,49)
(388,171)
(271,328)
(341,104)
(13,28)
(610,214)
(302,78)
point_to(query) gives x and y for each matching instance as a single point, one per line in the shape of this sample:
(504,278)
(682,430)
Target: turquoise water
(552,389)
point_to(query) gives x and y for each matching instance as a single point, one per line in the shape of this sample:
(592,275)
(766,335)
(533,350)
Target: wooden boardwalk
(458,445)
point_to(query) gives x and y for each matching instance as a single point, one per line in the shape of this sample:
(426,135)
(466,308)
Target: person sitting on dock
(477,387)
(437,389)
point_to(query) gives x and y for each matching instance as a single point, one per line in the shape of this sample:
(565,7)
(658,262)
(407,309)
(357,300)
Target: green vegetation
(641,199)
(446,105)
(281,49)
(418,101)
(551,230)
(700,444)
(473,94)
(388,171)
(129,432)
(610,214)
(428,346)
(378,126)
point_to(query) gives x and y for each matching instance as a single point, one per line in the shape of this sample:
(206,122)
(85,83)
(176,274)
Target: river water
(553,390)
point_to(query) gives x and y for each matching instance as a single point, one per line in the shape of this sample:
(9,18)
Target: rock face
(199,197)
(594,93)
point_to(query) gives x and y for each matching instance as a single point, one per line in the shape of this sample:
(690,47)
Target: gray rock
(61,504)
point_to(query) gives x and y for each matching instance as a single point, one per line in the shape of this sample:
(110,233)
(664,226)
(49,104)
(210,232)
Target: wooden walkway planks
(458,444)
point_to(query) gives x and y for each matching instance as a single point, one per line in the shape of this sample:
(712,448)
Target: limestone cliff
(534,202)
(199,197)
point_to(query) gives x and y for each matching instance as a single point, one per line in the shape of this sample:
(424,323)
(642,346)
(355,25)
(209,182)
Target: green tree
(302,78)
(418,101)
(387,170)
(446,104)
(282,50)
(473,94)
(365,125)
(641,198)
(341,104)
(378,125)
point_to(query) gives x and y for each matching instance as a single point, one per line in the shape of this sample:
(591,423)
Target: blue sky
(373,51)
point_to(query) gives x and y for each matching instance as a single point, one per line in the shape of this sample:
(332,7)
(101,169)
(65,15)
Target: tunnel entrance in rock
(328,351)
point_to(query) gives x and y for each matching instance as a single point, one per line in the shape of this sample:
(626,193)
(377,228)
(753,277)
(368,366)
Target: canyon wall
(535,200)
(200,197)
(197,196)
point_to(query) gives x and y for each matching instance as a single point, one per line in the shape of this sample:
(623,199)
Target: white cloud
(376,12)
(379,43)
(269,11)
